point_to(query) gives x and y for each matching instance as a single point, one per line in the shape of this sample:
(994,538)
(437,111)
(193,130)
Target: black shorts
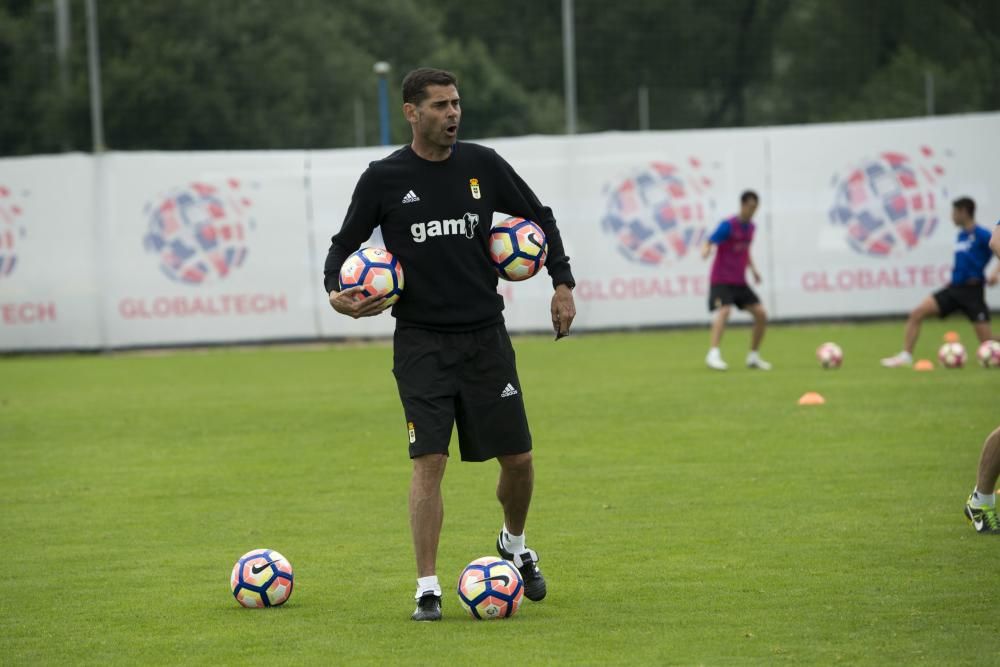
(468,379)
(970,299)
(727,295)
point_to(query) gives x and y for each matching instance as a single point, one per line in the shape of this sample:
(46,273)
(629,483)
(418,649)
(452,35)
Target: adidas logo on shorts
(508,391)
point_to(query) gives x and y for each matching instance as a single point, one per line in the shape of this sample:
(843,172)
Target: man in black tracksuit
(453,361)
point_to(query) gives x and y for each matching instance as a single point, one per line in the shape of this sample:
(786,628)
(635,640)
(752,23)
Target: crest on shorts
(474,188)
(412,432)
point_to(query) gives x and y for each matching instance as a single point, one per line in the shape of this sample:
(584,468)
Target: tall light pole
(62,44)
(643,108)
(62,59)
(359,122)
(929,92)
(382,69)
(569,66)
(94,68)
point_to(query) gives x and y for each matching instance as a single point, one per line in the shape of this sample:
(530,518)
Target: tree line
(263,74)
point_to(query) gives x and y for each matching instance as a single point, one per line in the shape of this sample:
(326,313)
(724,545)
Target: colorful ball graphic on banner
(889,204)
(660,213)
(11,231)
(199,232)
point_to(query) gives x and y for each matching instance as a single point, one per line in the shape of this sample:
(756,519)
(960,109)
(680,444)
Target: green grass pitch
(682,516)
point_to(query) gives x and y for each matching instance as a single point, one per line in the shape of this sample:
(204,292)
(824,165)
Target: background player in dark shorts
(741,296)
(965,292)
(434,201)
(728,283)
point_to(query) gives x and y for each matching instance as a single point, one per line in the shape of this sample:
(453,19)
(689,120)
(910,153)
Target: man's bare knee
(429,464)
(515,462)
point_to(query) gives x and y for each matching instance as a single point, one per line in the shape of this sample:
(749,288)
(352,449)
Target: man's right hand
(345,303)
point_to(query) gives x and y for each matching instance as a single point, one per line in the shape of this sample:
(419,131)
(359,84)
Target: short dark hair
(966,204)
(749,194)
(415,83)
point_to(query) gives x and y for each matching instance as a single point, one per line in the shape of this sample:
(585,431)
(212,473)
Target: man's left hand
(563,310)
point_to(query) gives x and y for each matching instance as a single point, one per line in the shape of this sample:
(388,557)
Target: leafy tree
(243,74)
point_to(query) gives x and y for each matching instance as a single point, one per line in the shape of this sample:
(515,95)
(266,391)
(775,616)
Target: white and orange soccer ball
(490,587)
(262,578)
(952,355)
(376,271)
(989,354)
(518,248)
(830,355)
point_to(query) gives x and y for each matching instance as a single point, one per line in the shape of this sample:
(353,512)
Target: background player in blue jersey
(981,507)
(965,292)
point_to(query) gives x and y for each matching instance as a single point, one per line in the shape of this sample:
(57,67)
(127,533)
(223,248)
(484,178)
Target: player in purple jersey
(981,507)
(728,282)
(965,292)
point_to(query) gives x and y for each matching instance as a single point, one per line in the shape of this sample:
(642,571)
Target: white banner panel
(132,249)
(864,210)
(633,210)
(206,247)
(48,288)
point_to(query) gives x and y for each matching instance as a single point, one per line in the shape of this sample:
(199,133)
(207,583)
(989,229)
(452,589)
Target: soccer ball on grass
(262,578)
(830,355)
(490,587)
(952,355)
(989,354)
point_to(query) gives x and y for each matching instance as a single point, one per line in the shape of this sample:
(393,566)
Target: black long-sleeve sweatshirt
(435,218)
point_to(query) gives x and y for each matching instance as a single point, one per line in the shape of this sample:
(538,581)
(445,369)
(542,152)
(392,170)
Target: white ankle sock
(513,543)
(428,585)
(753,355)
(906,355)
(714,352)
(980,499)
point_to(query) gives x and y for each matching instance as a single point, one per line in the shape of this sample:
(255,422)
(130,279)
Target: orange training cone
(923,365)
(811,398)
(951,337)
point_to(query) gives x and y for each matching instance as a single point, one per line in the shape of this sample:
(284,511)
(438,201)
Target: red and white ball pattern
(376,271)
(830,355)
(517,248)
(989,354)
(952,355)
(262,578)
(490,588)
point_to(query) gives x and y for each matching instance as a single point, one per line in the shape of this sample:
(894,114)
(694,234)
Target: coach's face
(435,120)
